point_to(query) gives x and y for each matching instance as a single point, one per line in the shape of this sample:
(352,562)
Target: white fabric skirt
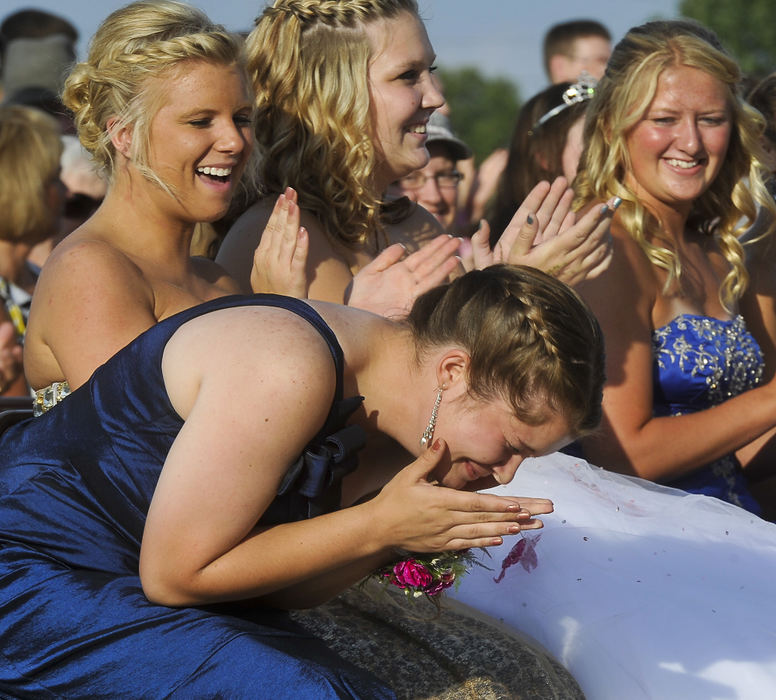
(641,591)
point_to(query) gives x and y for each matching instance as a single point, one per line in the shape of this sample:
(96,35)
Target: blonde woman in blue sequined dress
(687,401)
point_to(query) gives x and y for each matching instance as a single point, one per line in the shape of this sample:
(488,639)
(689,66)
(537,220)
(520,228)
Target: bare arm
(201,543)
(630,439)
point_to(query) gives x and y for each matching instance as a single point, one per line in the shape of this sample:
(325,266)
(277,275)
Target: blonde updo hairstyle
(309,63)
(135,44)
(31,145)
(728,207)
(532,341)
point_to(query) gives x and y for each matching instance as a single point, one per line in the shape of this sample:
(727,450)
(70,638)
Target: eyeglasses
(445,181)
(573,94)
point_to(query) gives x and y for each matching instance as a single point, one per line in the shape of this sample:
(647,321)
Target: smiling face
(677,148)
(486,440)
(200,138)
(403,94)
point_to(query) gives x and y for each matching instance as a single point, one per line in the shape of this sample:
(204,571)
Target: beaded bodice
(701,361)
(49,397)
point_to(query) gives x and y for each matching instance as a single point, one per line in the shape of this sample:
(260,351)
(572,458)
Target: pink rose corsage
(427,574)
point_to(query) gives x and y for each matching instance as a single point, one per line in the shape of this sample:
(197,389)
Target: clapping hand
(393,280)
(280,258)
(544,233)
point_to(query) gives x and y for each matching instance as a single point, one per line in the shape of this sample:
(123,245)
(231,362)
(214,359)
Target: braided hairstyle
(309,62)
(531,339)
(728,207)
(133,45)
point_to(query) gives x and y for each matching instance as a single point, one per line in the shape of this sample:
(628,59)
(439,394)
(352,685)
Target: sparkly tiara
(574,94)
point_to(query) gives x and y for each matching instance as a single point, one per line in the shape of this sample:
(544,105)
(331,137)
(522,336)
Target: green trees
(482,110)
(747,30)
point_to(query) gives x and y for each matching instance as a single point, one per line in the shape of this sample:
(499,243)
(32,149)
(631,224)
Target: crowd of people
(377,336)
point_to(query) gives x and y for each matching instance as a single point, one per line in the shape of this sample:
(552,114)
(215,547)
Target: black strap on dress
(313,483)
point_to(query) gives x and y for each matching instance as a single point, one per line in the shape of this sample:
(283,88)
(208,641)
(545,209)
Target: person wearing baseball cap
(435,187)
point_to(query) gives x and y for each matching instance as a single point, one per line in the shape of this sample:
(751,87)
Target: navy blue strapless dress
(699,362)
(75,486)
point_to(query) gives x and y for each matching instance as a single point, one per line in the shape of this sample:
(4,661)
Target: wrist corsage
(427,575)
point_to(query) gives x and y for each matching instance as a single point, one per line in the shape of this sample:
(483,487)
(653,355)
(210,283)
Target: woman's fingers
(431,268)
(508,238)
(434,253)
(481,253)
(557,191)
(280,259)
(555,210)
(524,241)
(390,283)
(386,258)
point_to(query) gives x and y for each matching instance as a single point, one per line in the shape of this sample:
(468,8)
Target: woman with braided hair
(344,91)
(155,525)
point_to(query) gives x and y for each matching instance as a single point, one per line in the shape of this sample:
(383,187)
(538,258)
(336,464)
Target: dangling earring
(428,433)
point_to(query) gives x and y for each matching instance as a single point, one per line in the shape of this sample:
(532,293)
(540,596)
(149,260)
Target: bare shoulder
(250,357)
(90,300)
(81,254)
(415,230)
(215,274)
(85,272)
(630,278)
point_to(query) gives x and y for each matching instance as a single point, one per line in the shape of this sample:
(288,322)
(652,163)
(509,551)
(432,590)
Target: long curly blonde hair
(309,61)
(135,43)
(729,206)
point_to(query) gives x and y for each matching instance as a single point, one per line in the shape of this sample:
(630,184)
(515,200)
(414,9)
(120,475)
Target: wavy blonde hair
(133,45)
(309,63)
(31,146)
(728,207)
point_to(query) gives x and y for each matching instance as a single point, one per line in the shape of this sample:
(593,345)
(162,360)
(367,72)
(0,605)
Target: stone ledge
(423,654)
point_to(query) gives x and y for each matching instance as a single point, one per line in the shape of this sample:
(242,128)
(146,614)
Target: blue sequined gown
(699,362)
(75,486)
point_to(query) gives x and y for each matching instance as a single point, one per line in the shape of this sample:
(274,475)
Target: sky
(500,37)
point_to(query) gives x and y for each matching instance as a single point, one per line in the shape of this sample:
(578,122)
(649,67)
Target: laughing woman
(687,402)
(344,91)
(162,104)
(136,515)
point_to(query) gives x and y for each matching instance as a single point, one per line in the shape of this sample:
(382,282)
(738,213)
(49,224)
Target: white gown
(641,591)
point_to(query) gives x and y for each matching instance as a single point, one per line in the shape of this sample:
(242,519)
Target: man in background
(435,187)
(576,47)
